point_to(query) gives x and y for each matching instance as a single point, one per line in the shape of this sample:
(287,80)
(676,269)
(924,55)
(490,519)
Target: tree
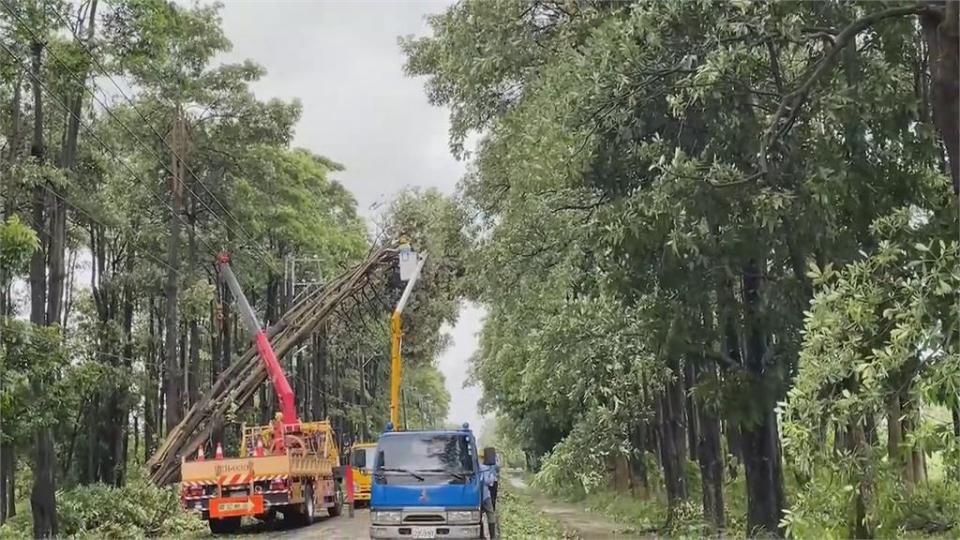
(685,161)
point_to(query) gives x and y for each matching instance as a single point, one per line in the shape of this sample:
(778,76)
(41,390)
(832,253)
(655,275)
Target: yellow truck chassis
(296,483)
(362,475)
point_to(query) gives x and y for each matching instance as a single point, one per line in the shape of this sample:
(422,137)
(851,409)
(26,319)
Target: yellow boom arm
(396,337)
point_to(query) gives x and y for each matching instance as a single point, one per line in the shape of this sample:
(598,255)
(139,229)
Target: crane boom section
(274,371)
(396,335)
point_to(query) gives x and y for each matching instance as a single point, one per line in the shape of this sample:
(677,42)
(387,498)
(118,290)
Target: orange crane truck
(287,467)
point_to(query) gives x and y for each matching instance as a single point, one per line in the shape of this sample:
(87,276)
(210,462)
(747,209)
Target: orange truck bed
(295,484)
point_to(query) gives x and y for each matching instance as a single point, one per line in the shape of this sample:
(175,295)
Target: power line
(247,236)
(102,224)
(111,114)
(103,145)
(126,128)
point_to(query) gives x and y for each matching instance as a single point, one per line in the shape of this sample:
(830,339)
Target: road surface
(338,528)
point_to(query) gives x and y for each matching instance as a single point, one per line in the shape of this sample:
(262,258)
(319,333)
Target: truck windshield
(362,458)
(425,458)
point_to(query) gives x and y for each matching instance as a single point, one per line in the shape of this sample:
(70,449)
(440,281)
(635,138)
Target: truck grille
(424,518)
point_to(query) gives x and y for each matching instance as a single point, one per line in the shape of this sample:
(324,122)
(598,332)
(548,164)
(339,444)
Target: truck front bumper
(425,531)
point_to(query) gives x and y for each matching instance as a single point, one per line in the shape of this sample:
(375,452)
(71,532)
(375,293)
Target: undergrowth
(817,510)
(137,510)
(519,518)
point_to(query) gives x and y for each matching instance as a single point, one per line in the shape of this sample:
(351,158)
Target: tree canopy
(685,216)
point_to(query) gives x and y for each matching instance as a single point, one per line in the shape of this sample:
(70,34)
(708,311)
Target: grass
(519,518)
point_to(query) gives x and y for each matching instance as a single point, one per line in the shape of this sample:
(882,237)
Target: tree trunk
(43,502)
(859,528)
(638,466)
(121,409)
(689,380)
(136,439)
(711,468)
(675,393)
(895,450)
(761,440)
(226,346)
(709,451)
(193,358)
(12,483)
(955,411)
(13,140)
(942,35)
(171,288)
(731,344)
(6,476)
(620,466)
(151,377)
(671,455)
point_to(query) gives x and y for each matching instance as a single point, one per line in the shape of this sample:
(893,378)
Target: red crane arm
(274,371)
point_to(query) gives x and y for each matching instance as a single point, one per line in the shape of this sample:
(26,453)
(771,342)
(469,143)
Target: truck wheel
(309,505)
(303,514)
(337,507)
(224,526)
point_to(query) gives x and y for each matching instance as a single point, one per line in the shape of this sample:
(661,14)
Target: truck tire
(309,505)
(303,514)
(337,507)
(225,525)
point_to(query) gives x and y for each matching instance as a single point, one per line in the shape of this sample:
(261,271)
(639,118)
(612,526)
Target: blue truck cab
(426,484)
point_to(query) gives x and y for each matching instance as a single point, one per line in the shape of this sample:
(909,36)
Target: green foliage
(137,510)
(880,329)
(17,243)
(28,353)
(822,506)
(499,433)
(618,220)
(426,397)
(518,517)
(245,190)
(434,224)
(580,461)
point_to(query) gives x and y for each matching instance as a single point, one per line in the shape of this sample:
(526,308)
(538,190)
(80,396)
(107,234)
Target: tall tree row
(689,213)
(129,158)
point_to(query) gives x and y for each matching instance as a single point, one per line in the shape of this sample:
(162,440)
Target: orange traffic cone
(200,456)
(219,454)
(259,450)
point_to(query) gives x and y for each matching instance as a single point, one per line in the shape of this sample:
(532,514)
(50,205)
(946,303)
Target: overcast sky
(342,60)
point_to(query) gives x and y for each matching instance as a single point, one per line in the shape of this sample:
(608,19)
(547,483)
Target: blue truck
(426,484)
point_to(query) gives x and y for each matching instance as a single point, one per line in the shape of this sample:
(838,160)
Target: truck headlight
(463,516)
(386,518)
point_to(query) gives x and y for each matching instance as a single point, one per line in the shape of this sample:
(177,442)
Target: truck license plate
(236,506)
(424,532)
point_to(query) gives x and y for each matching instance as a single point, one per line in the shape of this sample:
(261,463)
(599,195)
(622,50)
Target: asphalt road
(338,528)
